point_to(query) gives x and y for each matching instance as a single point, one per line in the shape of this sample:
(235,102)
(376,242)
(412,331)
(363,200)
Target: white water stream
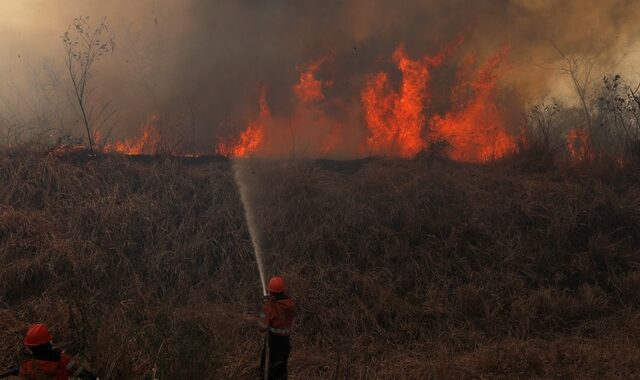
(241,167)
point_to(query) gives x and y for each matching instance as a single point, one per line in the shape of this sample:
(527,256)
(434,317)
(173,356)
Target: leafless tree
(540,122)
(585,69)
(84,46)
(580,68)
(634,96)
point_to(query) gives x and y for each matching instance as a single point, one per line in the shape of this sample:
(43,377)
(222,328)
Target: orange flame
(579,144)
(146,144)
(97,137)
(252,138)
(309,88)
(309,117)
(395,118)
(474,128)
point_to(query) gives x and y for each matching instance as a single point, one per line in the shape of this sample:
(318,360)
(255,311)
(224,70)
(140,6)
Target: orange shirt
(35,369)
(277,316)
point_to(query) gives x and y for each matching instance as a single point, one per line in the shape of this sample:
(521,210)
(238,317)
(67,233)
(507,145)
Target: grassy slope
(403,269)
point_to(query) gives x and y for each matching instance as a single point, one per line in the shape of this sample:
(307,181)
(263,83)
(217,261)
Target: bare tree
(84,46)
(540,123)
(634,95)
(585,69)
(619,109)
(580,67)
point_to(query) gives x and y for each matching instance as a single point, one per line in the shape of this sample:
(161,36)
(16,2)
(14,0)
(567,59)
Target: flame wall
(203,64)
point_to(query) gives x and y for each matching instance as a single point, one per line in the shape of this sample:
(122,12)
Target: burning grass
(402,268)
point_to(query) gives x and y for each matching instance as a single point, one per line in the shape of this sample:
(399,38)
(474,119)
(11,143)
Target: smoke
(200,64)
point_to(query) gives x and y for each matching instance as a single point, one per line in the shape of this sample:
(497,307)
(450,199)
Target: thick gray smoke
(199,63)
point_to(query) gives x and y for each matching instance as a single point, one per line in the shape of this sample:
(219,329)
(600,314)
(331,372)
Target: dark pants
(279,349)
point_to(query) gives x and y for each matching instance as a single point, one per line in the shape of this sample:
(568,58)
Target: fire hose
(251,316)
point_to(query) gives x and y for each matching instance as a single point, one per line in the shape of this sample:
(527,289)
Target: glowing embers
(474,128)
(145,144)
(252,138)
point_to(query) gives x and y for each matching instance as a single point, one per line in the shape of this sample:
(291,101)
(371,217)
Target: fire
(309,118)
(252,138)
(97,137)
(146,144)
(579,144)
(398,117)
(474,128)
(395,118)
(309,89)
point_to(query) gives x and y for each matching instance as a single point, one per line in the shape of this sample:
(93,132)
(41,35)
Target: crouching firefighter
(276,321)
(42,361)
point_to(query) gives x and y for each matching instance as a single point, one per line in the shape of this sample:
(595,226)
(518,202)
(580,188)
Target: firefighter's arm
(263,322)
(264,319)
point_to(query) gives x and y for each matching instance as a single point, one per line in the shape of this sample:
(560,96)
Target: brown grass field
(403,269)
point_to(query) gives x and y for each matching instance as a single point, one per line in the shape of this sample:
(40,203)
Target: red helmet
(277,285)
(37,335)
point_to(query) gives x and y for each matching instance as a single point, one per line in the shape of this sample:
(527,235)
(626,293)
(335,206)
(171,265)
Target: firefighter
(276,321)
(42,361)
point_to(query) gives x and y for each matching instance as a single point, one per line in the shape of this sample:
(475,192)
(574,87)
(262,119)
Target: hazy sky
(200,63)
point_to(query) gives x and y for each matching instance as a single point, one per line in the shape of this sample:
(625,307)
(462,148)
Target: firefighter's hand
(265,299)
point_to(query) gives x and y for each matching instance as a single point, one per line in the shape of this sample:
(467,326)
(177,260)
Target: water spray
(240,169)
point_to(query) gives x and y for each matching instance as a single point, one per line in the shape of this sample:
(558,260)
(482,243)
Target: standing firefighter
(276,321)
(45,362)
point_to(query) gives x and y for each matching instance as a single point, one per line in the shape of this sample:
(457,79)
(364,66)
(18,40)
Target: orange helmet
(37,335)
(277,285)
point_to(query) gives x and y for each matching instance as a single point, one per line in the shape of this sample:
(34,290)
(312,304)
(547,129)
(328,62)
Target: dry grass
(402,269)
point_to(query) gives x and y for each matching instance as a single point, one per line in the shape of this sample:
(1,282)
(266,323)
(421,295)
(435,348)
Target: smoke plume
(201,65)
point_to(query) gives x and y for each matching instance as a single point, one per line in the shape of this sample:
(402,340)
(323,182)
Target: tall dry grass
(402,268)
